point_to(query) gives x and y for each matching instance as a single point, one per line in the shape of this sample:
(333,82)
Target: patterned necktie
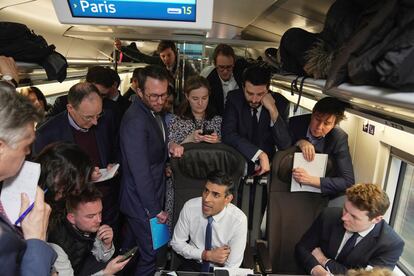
(349,245)
(207,244)
(255,127)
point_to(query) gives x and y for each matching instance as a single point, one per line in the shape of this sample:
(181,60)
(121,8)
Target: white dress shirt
(229,228)
(228,86)
(348,235)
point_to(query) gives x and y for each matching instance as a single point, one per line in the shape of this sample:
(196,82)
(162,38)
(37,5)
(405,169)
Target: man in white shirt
(214,213)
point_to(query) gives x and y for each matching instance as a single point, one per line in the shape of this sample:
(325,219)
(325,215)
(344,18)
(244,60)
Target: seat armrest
(263,257)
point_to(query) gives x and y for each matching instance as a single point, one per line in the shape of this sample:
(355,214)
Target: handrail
(387,106)
(34,74)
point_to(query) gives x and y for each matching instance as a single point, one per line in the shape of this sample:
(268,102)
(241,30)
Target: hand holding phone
(128,254)
(207,131)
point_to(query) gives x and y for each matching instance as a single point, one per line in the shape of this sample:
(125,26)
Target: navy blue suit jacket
(336,146)
(217,95)
(144,154)
(381,247)
(237,128)
(21,257)
(59,129)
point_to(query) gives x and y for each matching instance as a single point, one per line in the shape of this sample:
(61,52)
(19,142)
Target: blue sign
(174,10)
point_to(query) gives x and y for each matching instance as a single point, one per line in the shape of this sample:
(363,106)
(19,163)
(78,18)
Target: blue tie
(349,245)
(207,244)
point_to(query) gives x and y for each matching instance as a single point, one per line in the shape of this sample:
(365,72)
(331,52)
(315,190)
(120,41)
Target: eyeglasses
(155,97)
(225,67)
(89,118)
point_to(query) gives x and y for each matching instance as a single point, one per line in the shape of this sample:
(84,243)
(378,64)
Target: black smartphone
(207,131)
(128,254)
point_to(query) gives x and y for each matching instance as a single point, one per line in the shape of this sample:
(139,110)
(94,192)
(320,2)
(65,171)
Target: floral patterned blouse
(179,129)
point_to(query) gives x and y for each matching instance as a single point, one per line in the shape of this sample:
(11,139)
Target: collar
(311,137)
(115,98)
(75,125)
(229,82)
(366,232)
(220,215)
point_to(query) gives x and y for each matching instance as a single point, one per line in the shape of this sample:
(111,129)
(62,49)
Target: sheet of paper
(24,182)
(317,167)
(236,271)
(159,232)
(107,174)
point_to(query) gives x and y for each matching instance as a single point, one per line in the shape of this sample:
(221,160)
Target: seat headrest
(283,164)
(202,158)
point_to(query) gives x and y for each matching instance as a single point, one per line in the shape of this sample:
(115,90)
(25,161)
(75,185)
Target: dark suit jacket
(127,95)
(144,154)
(21,257)
(336,145)
(59,129)
(237,130)
(381,247)
(123,104)
(217,95)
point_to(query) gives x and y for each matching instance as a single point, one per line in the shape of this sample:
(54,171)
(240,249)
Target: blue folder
(159,232)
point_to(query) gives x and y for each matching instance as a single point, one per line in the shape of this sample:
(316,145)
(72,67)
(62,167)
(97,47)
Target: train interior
(380,121)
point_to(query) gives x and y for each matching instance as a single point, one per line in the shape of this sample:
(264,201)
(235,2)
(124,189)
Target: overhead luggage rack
(34,74)
(387,106)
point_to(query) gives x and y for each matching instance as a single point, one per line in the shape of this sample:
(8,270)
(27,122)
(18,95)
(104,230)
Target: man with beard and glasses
(143,138)
(252,117)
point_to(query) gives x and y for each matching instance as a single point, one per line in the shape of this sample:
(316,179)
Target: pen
(26,212)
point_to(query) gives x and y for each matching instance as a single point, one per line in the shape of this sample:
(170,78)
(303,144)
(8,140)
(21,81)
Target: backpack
(19,42)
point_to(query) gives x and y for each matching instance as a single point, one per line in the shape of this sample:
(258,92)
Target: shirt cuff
(256,156)
(326,263)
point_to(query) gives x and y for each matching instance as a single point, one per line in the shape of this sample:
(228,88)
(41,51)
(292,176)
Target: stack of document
(316,167)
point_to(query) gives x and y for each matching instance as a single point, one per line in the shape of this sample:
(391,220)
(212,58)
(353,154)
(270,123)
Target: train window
(402,215)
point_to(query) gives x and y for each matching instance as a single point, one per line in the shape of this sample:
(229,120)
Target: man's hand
(264,163)
(117,44)
(113,266)
(218,255)
(308,150)
(175,150)
(8,67)
(168,171)
(319,271)
(301,176)
(106,235)
(95,174)
(162,217)
(318,254)
(269,103)
(34,225)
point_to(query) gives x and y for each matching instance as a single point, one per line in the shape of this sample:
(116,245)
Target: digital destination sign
(170,14)
(170,10)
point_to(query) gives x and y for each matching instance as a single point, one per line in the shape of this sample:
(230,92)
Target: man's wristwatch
(9,79)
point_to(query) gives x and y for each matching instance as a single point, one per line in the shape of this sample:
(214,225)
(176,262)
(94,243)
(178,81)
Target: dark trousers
(141,236)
